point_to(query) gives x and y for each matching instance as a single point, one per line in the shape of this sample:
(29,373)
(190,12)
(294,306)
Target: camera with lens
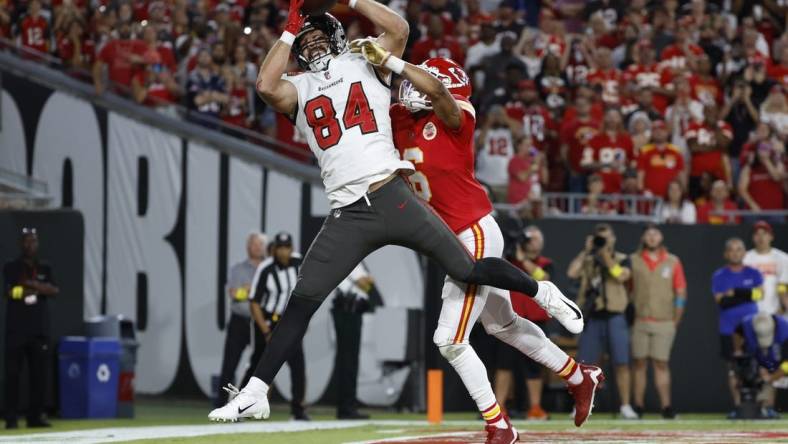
(598,242)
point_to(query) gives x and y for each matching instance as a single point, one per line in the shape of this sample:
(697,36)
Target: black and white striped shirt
(273,283)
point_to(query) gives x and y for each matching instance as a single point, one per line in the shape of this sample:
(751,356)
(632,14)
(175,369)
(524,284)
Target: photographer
(527,255)
(602,272)
(736,289)
(766,341)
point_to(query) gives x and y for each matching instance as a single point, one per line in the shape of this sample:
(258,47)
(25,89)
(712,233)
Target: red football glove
(295,20)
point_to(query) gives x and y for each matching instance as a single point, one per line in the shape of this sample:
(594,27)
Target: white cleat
(550,298)
(251,402)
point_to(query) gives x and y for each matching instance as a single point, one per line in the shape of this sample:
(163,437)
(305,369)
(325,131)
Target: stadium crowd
(682,100)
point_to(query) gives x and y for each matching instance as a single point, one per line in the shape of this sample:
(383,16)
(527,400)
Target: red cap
(762,225)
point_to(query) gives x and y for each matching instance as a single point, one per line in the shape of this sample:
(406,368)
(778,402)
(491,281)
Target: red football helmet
(448,72)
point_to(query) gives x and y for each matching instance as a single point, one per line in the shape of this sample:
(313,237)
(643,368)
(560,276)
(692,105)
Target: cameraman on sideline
(603,272)
(766,340)
(736,288)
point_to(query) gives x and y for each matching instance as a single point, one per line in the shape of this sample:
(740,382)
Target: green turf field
(185,422)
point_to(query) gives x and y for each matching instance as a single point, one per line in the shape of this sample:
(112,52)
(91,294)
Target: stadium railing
(20,191)
(622,207)
(21,62)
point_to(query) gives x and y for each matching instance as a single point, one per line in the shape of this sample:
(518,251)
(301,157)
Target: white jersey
(343,112)
(774,268)
(492,162)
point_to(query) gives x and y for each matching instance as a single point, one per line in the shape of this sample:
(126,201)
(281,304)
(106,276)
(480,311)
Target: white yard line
(120,434)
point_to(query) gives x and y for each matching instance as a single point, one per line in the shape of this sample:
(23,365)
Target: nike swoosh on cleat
(577,312)
(241,410)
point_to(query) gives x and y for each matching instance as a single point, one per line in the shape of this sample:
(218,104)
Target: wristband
(784,367)
(17,292)
(287,38)
(394,64)
(680,303)
(538,274)
(352,3)
(616,271)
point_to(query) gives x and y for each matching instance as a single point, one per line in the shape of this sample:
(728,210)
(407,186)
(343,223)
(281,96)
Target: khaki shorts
(653,339)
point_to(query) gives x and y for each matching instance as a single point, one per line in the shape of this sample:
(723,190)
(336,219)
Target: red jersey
(707,161)
(767,192)
(35,33)
(116,55)
(779,73)
(236,108)
(536,120)
(444,161)
(549,44)
(447,48)
(661,166)
(706,209)
(673,56)
(520,189)
(576,134)
(65,49)
(706,91)
(614,153)
(290,137)
(610,80)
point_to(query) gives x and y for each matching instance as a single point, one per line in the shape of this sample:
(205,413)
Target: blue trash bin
(89,370)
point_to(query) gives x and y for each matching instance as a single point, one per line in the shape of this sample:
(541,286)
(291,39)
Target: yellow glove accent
(538,274)
(782,288)
(371,50)
(784,367)
(757,294)
(17,292)
(616,271)
(241,294)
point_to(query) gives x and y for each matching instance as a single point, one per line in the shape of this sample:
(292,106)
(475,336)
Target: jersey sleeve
(467,111)
(679,280)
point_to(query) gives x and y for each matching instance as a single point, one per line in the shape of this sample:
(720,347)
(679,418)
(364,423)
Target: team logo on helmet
(430,131)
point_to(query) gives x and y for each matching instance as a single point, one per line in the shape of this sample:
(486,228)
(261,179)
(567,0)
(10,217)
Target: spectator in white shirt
(677,209)
(773,265)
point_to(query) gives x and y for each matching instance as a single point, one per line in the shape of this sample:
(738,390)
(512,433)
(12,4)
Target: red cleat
(496,435)
(585,391)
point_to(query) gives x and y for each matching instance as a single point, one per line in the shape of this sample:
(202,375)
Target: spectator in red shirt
(121,56)
(34,29)
(708,142)
(5,19)
(659,162)
(575,134)
(763,175)
(528,256)
(719,201)
(606,76)
(705,86)
(156,51)
(437,44)
(777,72)
(527,176)
(595,202)
(75,50)
(610,152)
(682,53)
(154,85)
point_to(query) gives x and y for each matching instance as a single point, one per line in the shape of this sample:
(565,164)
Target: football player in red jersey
(34,28)
(433,127)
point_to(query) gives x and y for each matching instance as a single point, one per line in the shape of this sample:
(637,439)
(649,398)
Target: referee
(238,334)
(273,282)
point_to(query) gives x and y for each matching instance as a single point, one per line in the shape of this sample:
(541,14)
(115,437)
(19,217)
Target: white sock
(257,385)
(531,341)
(474,376)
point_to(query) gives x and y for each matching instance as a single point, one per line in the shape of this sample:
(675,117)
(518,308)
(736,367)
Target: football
(317,7)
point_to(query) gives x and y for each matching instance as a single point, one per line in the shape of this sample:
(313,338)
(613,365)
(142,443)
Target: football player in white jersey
(341,104)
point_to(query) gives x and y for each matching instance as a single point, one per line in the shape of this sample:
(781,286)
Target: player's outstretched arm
(281,94)
(395,28)
(443,104)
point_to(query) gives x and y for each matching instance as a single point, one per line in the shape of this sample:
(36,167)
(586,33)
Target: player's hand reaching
(295,19)
(372,51)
